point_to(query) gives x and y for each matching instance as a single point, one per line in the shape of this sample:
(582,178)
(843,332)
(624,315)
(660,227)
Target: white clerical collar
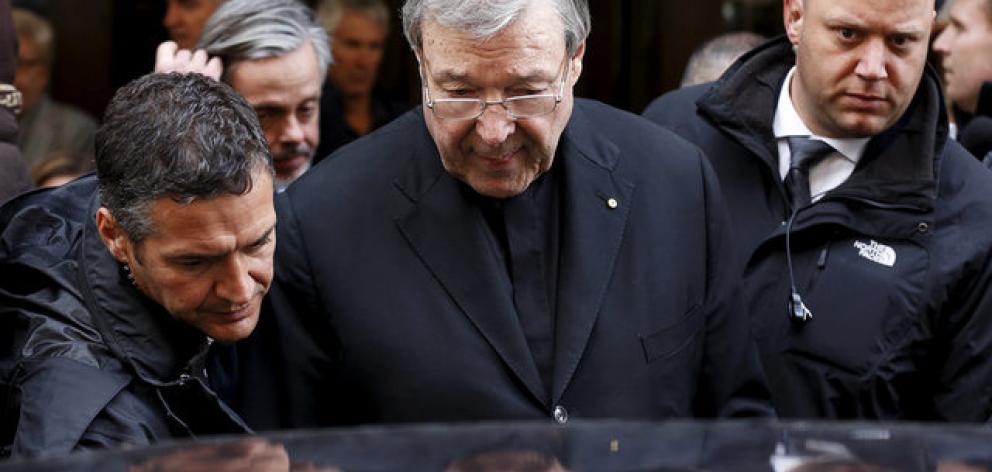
(788,123)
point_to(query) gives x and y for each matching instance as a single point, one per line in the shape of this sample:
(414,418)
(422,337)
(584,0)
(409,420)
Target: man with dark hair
(185,19)
(865,231)
(505,251)
(113,287)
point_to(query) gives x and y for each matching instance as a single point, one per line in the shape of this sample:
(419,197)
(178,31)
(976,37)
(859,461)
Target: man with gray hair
(712,59)
(114,287)
(505,251)
(351,105)
(276,56)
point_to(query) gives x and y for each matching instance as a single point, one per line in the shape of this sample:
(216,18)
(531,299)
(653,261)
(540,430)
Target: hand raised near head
(169,58)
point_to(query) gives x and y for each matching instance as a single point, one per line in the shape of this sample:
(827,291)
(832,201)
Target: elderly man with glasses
(505,251)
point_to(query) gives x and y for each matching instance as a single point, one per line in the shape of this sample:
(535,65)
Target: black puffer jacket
(87,361)
(895,263)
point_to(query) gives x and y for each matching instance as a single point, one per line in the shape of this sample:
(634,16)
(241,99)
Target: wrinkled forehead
(908,16)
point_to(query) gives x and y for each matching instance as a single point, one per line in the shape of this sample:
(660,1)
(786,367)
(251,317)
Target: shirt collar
(788,123)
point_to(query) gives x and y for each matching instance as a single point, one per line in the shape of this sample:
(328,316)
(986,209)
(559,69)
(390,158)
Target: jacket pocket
(672,339)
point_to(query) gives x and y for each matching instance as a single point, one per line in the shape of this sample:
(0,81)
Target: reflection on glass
(507,461)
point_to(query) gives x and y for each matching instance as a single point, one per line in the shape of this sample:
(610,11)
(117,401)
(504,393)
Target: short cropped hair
(38,30)
(179,136)
(329,12)
(484,18)
(242,30)
(711,59)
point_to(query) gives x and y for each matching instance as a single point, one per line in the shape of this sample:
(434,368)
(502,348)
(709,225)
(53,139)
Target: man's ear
(113,235)
(793,12)
(575,62)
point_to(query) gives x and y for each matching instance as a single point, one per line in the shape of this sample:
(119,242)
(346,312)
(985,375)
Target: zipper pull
(822,261)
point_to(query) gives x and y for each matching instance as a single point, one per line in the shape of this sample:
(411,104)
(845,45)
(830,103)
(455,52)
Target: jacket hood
(905,157)
(137,329)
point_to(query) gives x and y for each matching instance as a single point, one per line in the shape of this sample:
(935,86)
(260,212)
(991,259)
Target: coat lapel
(595,206)
(450,237)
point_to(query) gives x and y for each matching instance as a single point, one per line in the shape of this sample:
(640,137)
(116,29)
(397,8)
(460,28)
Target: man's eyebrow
(844,19)
(265,237)
(450,76)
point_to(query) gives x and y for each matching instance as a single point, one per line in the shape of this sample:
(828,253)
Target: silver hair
(484,18)
(254,29)
(711,59)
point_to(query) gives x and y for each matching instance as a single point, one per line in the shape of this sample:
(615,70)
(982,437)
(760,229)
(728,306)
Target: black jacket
(906,340)
(391,304)
(87,361)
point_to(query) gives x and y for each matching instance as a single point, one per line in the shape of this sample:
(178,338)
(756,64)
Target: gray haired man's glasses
(524,106)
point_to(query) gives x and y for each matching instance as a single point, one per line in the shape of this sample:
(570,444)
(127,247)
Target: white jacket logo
(875,252)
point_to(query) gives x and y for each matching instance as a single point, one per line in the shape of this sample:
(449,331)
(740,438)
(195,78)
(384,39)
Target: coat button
(560,415)
(612,203)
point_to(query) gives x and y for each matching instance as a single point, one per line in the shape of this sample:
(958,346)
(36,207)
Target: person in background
(115,286)
(709,61)
(184,20)
(965,48)
(13,173)
(46,125)
(60,168)
(275,55)
(866,233)
(350,105)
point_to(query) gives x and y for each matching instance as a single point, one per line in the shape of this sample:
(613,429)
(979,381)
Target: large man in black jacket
(113,289)
(505,252)
(867,277)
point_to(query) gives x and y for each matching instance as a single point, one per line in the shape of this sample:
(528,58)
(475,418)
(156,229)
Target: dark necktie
(805,154)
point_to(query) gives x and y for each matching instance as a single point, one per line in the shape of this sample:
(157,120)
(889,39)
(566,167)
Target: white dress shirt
(830,172)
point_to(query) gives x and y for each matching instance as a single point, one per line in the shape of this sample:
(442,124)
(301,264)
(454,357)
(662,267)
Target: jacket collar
(905,157)
(449,236)
(139,331)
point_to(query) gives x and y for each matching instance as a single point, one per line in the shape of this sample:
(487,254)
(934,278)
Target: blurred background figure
(60,168)
(184,19)
(710,60)
(965,50)
(276,55)
(46,125)
(13,175)
(350,105)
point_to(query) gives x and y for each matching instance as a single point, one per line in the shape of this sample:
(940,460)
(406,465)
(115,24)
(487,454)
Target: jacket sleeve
(732,383)
(963,384)
(60,398)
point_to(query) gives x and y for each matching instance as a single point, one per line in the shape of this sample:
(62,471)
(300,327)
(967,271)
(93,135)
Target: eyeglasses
(524,106)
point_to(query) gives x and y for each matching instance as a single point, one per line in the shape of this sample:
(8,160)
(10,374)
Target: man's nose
(235,283)
(940,45)
(872,64)
(495,124)
(292,130)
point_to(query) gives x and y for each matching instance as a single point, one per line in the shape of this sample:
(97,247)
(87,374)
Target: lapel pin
(612,203)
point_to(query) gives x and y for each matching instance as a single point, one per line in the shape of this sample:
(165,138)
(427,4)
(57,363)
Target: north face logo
(875,252)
